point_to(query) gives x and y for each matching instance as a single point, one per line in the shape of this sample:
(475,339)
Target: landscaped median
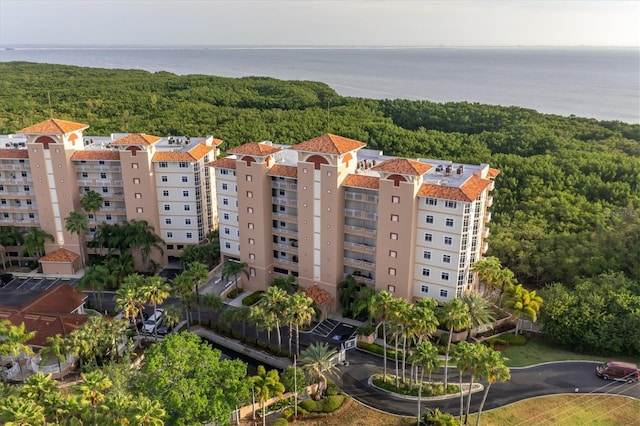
(430,391)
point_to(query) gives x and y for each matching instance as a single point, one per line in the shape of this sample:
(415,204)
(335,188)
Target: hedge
(325,405)
(251,299)
(377,349)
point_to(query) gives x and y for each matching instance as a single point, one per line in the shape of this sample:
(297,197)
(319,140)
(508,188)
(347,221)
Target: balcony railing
(282,201)
(360,247)
(360,263)
(284,232)
(360,230)
(356,196)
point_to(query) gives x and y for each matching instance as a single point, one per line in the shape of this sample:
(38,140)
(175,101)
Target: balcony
(358,196)
(363,248)
(282,201)
(357,230)
(485,233)
(360,214)
(489,201)
(285,247)
(282,231)
(485,247)
(283,216)
(487,217)
(360,264)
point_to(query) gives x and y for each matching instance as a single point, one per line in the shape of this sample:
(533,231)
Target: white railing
(36,365)
(362,230)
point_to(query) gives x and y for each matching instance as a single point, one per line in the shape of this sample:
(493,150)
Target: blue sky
(320,23)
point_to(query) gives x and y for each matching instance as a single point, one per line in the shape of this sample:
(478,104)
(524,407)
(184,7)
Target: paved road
(545,379)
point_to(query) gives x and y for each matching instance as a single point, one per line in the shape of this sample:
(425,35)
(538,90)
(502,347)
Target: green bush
(365,330)
(333,390)
(325,405)
(377,349)
(252,299)
(507,339)
(281,422)
(428,389)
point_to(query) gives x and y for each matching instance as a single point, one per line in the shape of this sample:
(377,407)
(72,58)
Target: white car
(153,322)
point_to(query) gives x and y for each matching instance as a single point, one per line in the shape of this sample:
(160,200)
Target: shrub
(365,330)
(333,390)
(377,349)
(281,422)
(436,417)
(252,299)
(325,405)
(428,389)
(514,339)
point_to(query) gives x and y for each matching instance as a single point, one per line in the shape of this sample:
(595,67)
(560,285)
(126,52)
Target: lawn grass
(566,410)
(539,350)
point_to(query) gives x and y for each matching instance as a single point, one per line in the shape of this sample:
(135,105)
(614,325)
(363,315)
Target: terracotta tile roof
(329,144)
(59,255)
(403,166)
(14,153)
(62,299)
(320,296)
(284,171)
(96,155)
(254,148)
(493,173)
(137,139)
(47,325)
(194,154)
(223,163)
(362,181)
(468,192)
(53,126)
(217,142)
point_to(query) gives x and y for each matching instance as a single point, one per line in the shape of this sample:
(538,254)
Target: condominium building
(45,170)
(328,208)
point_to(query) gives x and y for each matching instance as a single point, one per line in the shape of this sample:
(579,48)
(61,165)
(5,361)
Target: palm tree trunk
(420,395)
(446,359)
(298,340)
(384,339)
(484,398)
(279,336)
(404,357)
(264,419)
(462,399)
(397,367)
(466,416)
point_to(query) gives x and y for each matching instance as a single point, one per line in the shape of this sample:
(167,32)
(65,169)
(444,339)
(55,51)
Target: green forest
(567,203)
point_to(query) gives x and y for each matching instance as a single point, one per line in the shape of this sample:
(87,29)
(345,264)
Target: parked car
(153,322)
(5,279)
(138,322)
(164,329)
(622,371)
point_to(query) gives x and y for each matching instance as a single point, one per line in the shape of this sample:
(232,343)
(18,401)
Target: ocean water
(600,83)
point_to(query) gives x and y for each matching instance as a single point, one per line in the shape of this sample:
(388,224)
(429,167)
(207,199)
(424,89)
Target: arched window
(317,161)
(45,140)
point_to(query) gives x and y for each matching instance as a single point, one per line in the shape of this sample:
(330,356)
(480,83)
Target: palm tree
(504,279)
(213,302)
(171,316)
(92,202)
(34,240)
(234,269)
(140,235)
(480,310)
(455,316)
(487,270)
(58,347)
(266,385)
(92,387)
(14,339)
(97,278)
(155,290)
(522,303)
(287,284)
(318,360)
(78,223)
(493,370)
(198,272)
(381,304)
(257,318)
(422,323)
(128,300)
(183,289)
(467,358)
(38,386)
(12,236)
(299,310)
(425,356)
(20,411)
(348,289)
(274,300)
(363,305)
(398,315)
(149,413)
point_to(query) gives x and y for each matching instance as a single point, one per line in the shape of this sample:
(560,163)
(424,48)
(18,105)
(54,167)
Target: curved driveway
(539,380)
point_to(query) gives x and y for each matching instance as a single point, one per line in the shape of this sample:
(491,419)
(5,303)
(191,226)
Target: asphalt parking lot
(20,290)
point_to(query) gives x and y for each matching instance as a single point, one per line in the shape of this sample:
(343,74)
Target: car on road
(615,370)
(153,322)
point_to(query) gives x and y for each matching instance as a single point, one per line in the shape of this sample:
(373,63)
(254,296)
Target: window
(165,192)
(183,164)
(164,178)
(134,165)
(250,225)
(225,216)
(446,258)
(186,207)
(23,174)
(225,186)
(426,254)
(448,241)
(139,209)
(136,181)
(429,219)
(187,221)
(167,207)
(163,165)
(444,276)
(444,293)
(393,253)
(185,193)
(252,256)
(32,216)
(428,237)
(249,178)
(395,218)
(225,201)
(108,217)
(394,236)
(426,272)
(169,246)
(138,195)
(227,231)
(185,179)
(227,244)
(431,201)
(252,272)
(391,288)
(282,193)
(86,189)
(103,175)
(167,221)
(26,188)
(101,162)
(224,172)
(328,174)
(105,190)
(85,174)
(107,203)
(448,222)
(395,199)
(392,271)
(250,210)
(252,241)
(424,289)
(169,234)
(189,235)
(249,194)
(450,204)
